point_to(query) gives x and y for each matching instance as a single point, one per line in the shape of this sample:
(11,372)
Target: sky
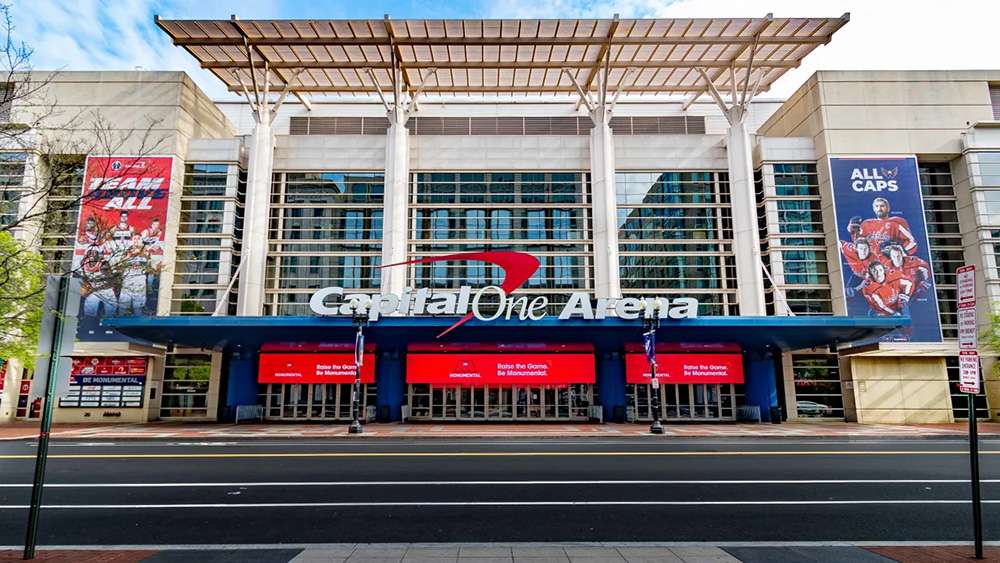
(882,34)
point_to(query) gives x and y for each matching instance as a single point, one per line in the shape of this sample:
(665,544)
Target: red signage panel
(313,368)
(685,368)
(500,369)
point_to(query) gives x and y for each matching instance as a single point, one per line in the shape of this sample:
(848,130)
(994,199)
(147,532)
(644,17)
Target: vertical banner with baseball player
(884,250)
(119,241)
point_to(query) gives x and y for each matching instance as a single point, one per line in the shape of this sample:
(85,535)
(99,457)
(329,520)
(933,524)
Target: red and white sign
(500,369)
(968,334)
(966,285)
(119,246)
(314,368)
(968,371)
(685,368)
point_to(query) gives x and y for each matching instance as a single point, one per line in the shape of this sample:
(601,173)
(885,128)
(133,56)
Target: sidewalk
(527,553)
(279,430)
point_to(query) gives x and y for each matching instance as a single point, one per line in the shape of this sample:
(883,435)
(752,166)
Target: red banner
(500,369)
(524,347)
(686,368)
(119,245)
(314,368)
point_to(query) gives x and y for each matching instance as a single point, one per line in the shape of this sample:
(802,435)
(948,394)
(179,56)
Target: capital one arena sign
(493,301)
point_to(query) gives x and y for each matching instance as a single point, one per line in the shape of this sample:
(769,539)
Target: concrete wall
(854,113)
(238,113)
(500,152)
(124,113)
(901,390)
(880,113)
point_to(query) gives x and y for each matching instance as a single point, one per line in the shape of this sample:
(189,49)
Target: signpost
(649,344)
(58,292)
(359,357)
(968,364)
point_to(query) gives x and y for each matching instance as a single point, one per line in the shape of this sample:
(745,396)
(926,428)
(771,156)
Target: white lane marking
(432,504)
(515,545)
(534,482)
(520,545)
(630,440)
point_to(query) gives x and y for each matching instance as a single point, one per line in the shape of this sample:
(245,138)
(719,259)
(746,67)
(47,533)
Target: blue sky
(882,34)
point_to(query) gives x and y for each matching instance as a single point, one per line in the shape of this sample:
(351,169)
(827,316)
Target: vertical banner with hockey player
(884,250)
(119,239)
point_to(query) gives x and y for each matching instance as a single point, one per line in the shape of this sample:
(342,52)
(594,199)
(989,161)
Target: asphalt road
(380,490)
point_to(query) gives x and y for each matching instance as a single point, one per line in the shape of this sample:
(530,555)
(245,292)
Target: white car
(812,408)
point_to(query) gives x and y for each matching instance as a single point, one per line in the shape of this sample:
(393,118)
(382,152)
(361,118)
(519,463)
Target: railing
(597,413)
(748,413)
(249,412)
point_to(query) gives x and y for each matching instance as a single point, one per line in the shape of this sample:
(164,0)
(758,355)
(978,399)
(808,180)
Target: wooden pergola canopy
(502,57)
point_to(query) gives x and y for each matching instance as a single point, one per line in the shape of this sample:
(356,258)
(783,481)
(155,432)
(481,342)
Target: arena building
(506,207)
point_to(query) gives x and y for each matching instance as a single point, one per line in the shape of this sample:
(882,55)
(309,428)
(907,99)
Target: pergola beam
(253,48)
(504,65)
(485,89)
(713,91)
(488,41)
(602,55)
(303,100)
(518,57)
(396,52)
(754,42)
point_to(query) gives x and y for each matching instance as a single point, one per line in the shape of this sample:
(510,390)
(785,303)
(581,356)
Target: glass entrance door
(685,402)
(320,401)
(527,403)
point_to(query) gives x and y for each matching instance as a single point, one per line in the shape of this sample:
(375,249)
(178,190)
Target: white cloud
(882,34)
(117,35)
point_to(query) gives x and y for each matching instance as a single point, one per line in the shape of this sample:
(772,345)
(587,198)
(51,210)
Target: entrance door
(685,402)
(295,402)
(429,402)
(319,401)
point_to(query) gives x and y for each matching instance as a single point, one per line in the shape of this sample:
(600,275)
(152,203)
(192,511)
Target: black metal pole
(977,502)
(355,427)
(41,456)
(656,427)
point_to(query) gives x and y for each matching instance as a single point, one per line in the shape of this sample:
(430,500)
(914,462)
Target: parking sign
(968,371)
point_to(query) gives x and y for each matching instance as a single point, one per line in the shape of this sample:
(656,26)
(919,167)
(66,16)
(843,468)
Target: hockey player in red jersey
(887,295)
(858,255)
(913,268)
(883,229)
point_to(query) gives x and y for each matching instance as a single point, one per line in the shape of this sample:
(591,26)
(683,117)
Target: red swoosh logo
(517,268)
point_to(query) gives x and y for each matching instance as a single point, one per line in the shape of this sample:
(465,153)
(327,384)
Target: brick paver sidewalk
(523,553)
(202,431)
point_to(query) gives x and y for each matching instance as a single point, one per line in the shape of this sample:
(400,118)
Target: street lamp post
(359,355)
(651,323)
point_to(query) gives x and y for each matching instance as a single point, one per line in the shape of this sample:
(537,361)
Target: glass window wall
(544,213)
(326,230)
(675,237)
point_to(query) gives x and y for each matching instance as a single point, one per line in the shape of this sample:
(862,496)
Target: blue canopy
(248,333)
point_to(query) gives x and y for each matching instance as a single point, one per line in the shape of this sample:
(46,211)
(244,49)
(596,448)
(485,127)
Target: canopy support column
(397,173)
(604,206)
(397,176)
(746,238)
(260,161)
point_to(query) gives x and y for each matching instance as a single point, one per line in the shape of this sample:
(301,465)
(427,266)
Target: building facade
(654,200)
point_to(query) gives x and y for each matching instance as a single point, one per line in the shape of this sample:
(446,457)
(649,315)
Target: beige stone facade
(941,117)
